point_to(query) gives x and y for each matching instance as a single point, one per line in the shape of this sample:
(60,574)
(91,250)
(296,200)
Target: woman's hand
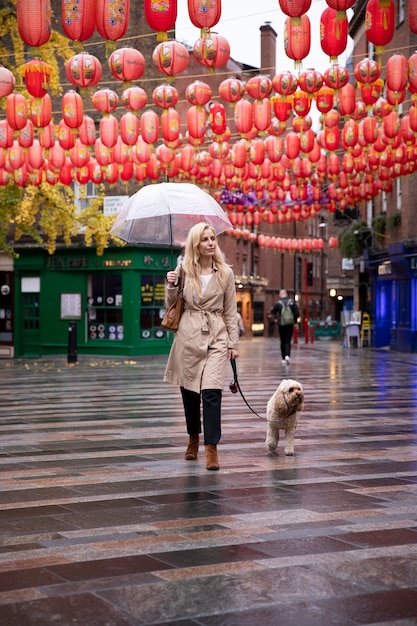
(172,277)
(232,354)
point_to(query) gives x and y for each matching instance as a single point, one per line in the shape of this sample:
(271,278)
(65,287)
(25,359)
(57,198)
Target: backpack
(287,316)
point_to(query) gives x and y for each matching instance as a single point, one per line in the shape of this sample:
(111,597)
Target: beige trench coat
(198,355)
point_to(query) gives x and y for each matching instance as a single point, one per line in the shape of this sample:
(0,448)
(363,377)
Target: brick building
(386,275)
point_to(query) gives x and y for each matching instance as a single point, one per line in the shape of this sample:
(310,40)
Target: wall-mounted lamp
(332,293)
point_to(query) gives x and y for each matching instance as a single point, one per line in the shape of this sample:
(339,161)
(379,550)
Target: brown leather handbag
(173,313)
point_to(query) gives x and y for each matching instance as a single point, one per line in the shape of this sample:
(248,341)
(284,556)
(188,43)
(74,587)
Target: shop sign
(385,269)
(113,204)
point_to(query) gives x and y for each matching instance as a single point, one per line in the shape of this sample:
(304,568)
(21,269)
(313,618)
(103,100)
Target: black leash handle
(235,387)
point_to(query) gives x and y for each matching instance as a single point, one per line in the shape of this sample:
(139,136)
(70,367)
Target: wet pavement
(103,523)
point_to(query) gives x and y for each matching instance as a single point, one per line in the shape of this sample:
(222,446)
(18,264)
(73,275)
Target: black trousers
(285,333)
(211,400)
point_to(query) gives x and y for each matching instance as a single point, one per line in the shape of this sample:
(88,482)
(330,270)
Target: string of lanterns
(277,162)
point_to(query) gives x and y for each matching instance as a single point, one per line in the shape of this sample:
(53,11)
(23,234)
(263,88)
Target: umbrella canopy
(163,213)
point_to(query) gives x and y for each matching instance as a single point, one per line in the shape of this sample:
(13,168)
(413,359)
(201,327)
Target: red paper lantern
(57,156)
(16,156)
(129,128)
(196,122)
(381,108)
(261,114)
(102,153)
(395,97)
(7,82)
(149,127)
(212,50)
(371,92)
(95,171)
(282,107)
(369,129)
(347,99)
(324,99)
(37,77)
(379,23)
(34,21)
(79,154)
(41,111)
(27,135)
(310,81)
(203,14)
(412,15)
(161,17)
(134,98)
(112,18)
(105,100)
(87,131)
(259,87)
(336,77)
(294,8)
(285,83)
(78,19)
(331,138)
(170,58)
(297,38)
(127,64)
(367,71)
(72,109)
(198,93)
(165,96)
(170,125)
(301,103)
(333,33)
(231,90)
(66,137)
(243,116)
(349,134)
(217,118)
(83,70)
(397,72)
(16,111)
(292,145)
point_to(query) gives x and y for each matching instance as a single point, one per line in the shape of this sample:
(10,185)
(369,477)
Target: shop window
(105,314)
(152,306)
(6,307)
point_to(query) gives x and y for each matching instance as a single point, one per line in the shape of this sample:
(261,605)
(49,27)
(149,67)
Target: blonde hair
(191,263)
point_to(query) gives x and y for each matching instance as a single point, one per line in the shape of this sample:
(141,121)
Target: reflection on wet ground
(102,522)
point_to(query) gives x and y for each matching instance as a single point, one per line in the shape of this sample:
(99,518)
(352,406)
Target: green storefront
(109,305)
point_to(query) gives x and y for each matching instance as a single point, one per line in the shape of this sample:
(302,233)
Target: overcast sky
(240,23)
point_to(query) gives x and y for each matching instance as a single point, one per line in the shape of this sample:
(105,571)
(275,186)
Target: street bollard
(72,343)
(306,330)
(295,335)
(311,334)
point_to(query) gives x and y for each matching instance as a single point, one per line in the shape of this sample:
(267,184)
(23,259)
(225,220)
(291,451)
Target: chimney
(268,49)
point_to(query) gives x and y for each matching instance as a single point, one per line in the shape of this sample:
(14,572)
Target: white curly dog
(282,414)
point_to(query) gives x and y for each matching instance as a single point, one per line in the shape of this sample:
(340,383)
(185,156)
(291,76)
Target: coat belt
(206,322)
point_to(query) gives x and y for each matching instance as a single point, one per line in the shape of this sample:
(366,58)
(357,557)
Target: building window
(401,11)
(384,202)
(152,305)
(399,194)
(105,315)
(84,197)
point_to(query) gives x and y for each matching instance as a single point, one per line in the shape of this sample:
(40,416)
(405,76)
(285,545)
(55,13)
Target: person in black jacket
(288,313)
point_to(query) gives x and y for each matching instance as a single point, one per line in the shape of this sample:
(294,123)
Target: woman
(206,339)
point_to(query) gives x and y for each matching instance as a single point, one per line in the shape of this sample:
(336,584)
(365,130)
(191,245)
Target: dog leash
(235,387)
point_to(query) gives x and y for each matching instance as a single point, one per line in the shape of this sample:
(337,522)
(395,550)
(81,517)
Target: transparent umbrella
(163,213)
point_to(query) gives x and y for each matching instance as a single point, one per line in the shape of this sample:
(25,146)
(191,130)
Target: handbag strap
(182,279)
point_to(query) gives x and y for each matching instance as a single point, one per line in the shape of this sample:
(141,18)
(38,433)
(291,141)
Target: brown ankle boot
(192,448)
(212,461)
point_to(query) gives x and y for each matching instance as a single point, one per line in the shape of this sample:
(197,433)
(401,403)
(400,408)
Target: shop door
(31,340)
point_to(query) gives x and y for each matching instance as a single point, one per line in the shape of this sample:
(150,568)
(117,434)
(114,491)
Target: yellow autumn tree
(44,213)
